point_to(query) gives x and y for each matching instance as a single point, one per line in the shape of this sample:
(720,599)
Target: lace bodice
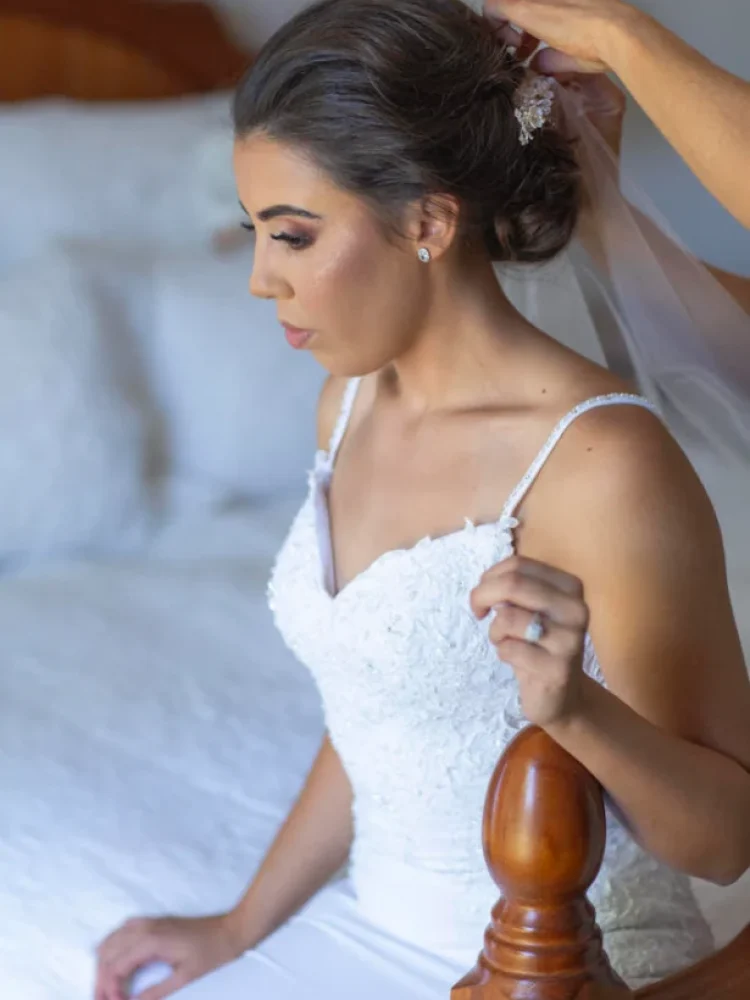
(419,708)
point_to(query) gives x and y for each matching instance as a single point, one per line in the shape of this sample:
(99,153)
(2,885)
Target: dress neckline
(325,461)
(319,484)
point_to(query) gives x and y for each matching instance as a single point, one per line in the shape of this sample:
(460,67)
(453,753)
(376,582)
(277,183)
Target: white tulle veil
(649,310)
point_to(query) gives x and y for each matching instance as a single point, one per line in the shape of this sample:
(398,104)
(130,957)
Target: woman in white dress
(496,532)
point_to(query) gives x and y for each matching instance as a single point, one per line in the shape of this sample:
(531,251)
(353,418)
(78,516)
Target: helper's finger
(500,9)
(527,48)
(552,62)
(504,31)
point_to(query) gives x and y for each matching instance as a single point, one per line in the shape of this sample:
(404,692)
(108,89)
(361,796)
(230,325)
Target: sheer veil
(649,310)
(683,338)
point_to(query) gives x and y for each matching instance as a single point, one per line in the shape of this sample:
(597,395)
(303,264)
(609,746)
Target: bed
(140,671)
(115,51)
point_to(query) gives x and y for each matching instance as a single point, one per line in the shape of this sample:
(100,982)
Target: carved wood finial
(544,838)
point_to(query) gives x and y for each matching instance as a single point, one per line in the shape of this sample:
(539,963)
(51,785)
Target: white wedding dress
(420,708)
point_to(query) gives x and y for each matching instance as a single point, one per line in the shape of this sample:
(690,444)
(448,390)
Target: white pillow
(72,434)
(240,403)
(140,174)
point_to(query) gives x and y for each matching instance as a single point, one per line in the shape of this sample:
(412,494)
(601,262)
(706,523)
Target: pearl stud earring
(424,255)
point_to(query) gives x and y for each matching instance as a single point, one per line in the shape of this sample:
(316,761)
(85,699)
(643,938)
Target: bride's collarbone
(373,512)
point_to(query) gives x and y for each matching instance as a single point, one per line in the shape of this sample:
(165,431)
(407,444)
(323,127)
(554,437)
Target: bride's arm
(312,845)
(623,516)
(669,739)
(314,842)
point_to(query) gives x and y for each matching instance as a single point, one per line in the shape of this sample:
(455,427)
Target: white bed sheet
(153,732)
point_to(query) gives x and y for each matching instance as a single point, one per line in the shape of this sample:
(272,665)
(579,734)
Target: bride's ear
(434,224)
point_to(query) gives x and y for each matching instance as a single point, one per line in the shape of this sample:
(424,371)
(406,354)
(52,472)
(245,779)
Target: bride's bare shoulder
(619,468)
(618,444)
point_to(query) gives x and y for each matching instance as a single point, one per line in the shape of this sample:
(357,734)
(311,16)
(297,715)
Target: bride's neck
(462,347)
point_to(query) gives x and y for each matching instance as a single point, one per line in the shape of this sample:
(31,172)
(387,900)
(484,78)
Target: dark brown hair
(399,100)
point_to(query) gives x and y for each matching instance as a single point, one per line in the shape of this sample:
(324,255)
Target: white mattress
(153,732)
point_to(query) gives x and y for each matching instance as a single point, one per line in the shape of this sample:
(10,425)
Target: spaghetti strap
(537,465)
(347,405)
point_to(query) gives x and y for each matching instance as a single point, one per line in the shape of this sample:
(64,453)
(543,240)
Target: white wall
(720,28)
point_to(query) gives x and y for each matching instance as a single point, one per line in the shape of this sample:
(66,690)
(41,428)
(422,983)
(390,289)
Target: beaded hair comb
(534,100)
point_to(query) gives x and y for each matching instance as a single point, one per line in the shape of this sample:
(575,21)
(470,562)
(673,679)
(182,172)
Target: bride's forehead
(260,154)
(268,171)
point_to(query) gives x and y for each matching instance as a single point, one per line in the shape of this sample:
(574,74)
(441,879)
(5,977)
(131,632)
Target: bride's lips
(297,338)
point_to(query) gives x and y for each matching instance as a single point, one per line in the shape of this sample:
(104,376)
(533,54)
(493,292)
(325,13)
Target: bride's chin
(343,365)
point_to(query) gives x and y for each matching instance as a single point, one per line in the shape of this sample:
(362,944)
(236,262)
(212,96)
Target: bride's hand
(549,672)
(192,947)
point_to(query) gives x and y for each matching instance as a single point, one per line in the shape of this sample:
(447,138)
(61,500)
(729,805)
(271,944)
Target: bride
(497,531)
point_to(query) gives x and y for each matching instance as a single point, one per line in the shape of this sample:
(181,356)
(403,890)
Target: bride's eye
(295,241)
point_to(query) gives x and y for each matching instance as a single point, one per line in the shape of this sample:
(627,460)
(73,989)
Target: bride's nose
(265,283)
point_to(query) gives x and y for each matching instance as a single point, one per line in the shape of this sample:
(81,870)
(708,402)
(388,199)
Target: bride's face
(343,289)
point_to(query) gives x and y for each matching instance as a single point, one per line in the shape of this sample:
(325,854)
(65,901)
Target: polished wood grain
(105,50)
(544,838)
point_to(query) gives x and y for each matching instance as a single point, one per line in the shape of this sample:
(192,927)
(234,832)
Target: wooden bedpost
(544,837)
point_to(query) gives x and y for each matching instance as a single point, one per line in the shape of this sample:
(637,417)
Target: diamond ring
(535,630)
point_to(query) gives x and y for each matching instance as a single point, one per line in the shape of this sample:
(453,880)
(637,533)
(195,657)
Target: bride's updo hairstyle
(399,99)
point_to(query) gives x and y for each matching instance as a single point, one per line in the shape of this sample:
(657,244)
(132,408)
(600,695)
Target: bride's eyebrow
(274,211)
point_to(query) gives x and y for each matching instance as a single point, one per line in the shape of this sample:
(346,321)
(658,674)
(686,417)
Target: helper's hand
(603,103)
(579,32)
